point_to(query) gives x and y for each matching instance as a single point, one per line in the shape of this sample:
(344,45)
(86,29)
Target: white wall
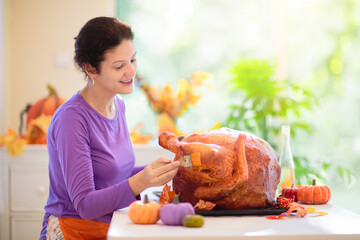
(1,65)
(37,34)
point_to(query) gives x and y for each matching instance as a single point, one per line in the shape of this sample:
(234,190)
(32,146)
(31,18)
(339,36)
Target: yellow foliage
(137,137)
(166,123)
(170,105)
(42,122)
(13,143)
(313,210)
(174,104)
(37,129)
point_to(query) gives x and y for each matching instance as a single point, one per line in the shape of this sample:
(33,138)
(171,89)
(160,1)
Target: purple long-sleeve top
(90,161)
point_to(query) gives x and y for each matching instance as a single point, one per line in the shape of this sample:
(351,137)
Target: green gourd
(193,221)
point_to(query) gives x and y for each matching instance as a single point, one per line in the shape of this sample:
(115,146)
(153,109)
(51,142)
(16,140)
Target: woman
(91,160)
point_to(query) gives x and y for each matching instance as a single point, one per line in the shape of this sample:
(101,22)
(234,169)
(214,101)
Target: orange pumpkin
(314,194)
(46,106)
(144,212)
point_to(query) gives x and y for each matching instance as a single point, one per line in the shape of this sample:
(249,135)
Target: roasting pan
(243,212)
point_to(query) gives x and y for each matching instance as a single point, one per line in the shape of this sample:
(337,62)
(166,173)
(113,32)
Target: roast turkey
(238,170)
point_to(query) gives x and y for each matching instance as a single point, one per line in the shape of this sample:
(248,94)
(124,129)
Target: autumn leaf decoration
(300,211)
(167,196)
(313,210)
(14,143)
(37,129)
(204,205)
(174,104)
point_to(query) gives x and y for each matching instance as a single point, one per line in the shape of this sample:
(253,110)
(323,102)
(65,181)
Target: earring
(93,81)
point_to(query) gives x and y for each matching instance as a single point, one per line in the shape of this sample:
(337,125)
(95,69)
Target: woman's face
(118,69)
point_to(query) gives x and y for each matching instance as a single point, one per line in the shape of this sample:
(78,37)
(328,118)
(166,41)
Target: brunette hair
(97,36)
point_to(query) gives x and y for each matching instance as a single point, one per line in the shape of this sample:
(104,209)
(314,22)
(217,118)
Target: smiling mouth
(127,82)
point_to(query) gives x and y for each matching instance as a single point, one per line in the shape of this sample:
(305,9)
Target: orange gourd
(144,212)
(46,106)
(314,194)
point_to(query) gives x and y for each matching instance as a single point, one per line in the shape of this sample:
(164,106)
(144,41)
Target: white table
(338,224)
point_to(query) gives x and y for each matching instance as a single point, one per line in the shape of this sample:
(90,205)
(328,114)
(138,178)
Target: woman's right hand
(157,173)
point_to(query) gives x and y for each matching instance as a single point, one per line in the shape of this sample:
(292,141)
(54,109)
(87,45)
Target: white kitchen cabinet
(24,192)
(25,188)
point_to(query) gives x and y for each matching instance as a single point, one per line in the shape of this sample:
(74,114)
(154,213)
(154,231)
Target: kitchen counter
(337,224)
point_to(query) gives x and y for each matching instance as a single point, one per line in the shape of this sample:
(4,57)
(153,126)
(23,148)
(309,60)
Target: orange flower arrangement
(170,105)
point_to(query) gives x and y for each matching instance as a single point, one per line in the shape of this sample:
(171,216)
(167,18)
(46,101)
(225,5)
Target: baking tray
(243,212)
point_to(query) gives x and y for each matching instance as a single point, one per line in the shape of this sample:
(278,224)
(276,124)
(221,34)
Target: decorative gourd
(314,194)
(193,220)
(290,193)
(173,213)
(46,106)
(144,212)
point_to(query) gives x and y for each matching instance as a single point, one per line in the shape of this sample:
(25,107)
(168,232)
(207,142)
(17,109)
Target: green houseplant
(264,103)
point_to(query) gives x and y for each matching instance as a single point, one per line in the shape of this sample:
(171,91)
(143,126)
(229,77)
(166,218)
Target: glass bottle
(286,161)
